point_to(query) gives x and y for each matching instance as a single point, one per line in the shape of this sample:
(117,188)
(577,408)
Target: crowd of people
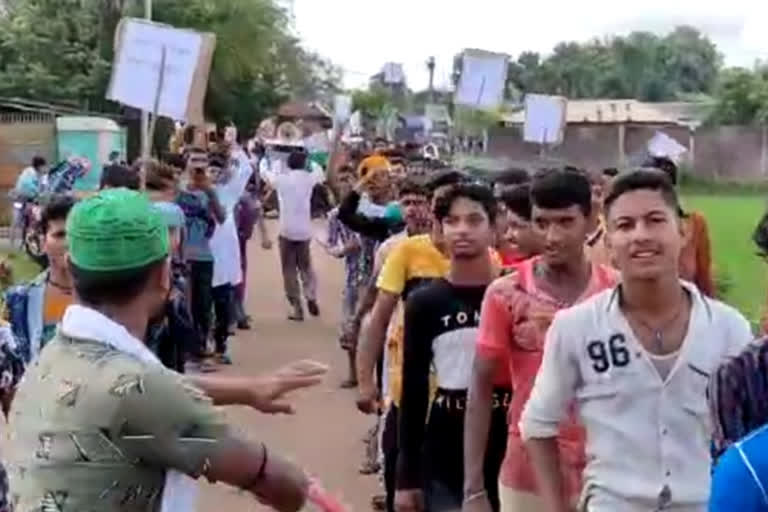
(116,339)
(549,341)
(545,341)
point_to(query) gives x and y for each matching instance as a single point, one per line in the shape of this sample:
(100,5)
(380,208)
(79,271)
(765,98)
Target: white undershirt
(664,362)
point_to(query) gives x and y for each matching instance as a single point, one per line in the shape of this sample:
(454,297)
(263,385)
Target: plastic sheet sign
(545,118)
(177,91)
(483,78)
(662,145)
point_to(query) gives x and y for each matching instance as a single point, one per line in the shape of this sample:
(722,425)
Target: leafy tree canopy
(62,51)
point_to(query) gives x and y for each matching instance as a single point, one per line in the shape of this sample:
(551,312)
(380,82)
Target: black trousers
(223,298)
(389,447)
(444,449)
(206,299)
(201,290)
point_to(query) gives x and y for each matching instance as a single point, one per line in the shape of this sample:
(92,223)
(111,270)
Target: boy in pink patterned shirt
(516,314)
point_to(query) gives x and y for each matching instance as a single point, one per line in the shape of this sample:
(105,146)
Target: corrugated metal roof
(609,111)
(26,105)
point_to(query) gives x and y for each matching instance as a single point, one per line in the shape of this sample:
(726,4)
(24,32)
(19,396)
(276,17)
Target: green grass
(732,219)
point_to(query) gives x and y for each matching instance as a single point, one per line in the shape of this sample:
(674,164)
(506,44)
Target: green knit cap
(116,229)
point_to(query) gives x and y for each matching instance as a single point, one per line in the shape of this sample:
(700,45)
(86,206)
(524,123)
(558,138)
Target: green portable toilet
(91,137)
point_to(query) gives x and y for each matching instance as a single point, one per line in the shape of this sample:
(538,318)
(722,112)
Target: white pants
(513,500)
(605,503)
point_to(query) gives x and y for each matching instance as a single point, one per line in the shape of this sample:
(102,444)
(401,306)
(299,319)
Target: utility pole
(431,68)
(146,144)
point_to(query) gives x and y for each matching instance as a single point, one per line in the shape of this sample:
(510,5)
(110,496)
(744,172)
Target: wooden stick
(153,123)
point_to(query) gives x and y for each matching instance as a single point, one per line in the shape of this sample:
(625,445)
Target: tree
(52,56)
(61,50)
(372,103)
(472,121)
(742,97)
(258,64)
(641,65)
(522,75)
(691,60)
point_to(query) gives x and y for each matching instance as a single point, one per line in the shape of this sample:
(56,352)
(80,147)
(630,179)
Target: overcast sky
(361,35)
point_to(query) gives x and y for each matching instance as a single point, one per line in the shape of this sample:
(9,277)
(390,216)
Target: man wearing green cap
(98,423)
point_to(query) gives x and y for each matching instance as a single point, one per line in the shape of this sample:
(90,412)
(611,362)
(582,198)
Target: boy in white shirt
(636,361)
(294,188)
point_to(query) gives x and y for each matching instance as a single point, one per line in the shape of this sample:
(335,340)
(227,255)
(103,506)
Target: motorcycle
(28,212)
(59,180)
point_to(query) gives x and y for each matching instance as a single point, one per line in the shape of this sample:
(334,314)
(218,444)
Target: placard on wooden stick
(483,79)
(545,119)
(136,77)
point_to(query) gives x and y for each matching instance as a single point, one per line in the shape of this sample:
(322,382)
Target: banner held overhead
(544,118)
(483,79)
(136,77)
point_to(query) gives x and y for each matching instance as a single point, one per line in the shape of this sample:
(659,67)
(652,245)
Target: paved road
(325,435)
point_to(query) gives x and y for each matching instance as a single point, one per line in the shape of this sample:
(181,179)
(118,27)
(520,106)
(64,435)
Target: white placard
(342,108)
(355,126)
(544,118)
(136,72)
(662,145)
(483,79)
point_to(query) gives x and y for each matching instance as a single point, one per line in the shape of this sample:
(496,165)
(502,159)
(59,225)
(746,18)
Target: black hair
(189,134)
(512,176)
(97,288)
(56,208)
(446,177)
(472,191)
(160,176)
(760,236)
(665,165)
(560,188)
(411,187)
(393,154)
(573,168)
(217,160)
(258,149)
(120,176)
(38,161)
(297,160)
(643,179)
(174,160)
(518,200)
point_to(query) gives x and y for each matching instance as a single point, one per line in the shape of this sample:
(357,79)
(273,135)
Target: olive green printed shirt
(95,429)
